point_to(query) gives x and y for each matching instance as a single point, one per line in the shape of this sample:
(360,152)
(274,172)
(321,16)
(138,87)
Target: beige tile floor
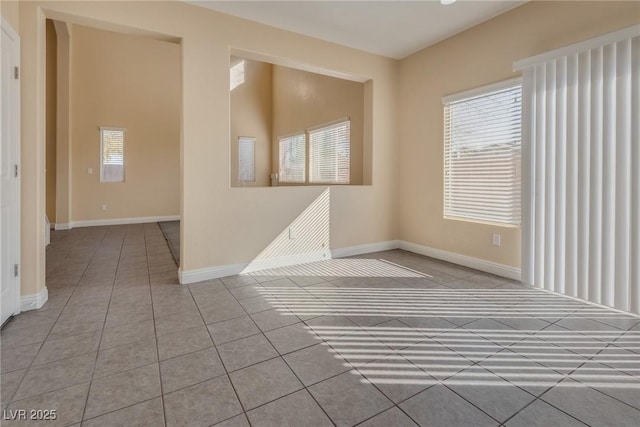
(388,339)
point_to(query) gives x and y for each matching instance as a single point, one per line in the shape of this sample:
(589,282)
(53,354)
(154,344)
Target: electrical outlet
(89,171)
(104,208)
(497,239)
(292,233)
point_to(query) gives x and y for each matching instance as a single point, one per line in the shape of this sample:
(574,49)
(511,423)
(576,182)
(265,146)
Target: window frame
(124,132)
(331,124)
(307,154)
(306,170)
(479,92)
(252,140)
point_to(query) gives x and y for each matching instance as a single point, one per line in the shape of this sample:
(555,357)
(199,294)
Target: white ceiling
(393,29)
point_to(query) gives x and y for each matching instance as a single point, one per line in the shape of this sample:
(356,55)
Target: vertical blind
(246,159)
(482,155)
(581,233)
(293,158)
(330,154)
(112,152)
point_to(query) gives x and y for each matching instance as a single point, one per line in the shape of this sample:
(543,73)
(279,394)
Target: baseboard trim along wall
(34,301)
(285,261)
(208,273)
(365,249)
(464,260)
(201,274)
(115,221)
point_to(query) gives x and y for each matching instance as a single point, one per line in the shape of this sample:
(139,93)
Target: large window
(292,158)
(329,155)
(111,154)
(482,154)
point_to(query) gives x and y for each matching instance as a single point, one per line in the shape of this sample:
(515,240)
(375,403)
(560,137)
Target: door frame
(14,139)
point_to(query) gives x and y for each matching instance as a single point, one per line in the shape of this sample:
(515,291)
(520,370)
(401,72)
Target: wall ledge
(34,301)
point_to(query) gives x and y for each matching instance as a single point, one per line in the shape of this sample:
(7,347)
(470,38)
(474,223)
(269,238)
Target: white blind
(482,156)
(112,149)
(330,154)
(246,159)
(581,222)
(292,158)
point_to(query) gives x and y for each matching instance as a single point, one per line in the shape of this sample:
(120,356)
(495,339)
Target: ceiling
(394,29)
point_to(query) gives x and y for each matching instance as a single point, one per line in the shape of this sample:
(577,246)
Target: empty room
(320,213)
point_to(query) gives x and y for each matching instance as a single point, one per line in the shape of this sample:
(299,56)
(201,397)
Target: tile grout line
(11,399)
(95,362)
(235,392)
(155,331)
(288,366)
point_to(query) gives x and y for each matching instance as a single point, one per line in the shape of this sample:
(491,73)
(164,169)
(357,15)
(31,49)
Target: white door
(9,177)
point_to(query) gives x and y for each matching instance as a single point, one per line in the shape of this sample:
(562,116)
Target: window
(292,158)
(112,152)
(236,75)
(329,154)
(246,159)
(482,154)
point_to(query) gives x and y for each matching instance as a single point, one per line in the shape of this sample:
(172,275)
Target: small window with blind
(246,159)
(330,154)
(482,147)
(112,154)
(292,159)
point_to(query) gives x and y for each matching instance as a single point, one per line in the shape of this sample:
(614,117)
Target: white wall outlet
(497,239)
(89,171)
(292,233)
(104,208)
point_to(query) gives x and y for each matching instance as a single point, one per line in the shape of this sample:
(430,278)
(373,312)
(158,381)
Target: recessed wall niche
(292,127)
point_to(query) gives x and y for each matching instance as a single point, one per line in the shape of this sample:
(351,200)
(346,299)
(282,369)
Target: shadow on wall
(305,240)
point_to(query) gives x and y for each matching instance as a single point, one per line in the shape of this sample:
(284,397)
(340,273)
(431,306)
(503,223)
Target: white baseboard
(208,273)
(116,221)
(62,226)
(365,249)
(286,261)
(34,301)
(464,260)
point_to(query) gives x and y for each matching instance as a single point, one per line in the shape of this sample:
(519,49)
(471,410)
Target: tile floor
(390,339)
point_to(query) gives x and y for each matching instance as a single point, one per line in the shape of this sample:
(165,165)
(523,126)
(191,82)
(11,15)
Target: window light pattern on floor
(384,339)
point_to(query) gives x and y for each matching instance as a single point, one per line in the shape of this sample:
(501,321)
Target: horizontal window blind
(330,154)
(292,158)
(246,160)
(482,156)
(112,149)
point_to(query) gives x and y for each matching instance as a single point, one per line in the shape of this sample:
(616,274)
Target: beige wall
(129,82)
(221,225)
(302,100)
(10,11)
(479,56)
(63,123)
(251,107)
(51,82)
